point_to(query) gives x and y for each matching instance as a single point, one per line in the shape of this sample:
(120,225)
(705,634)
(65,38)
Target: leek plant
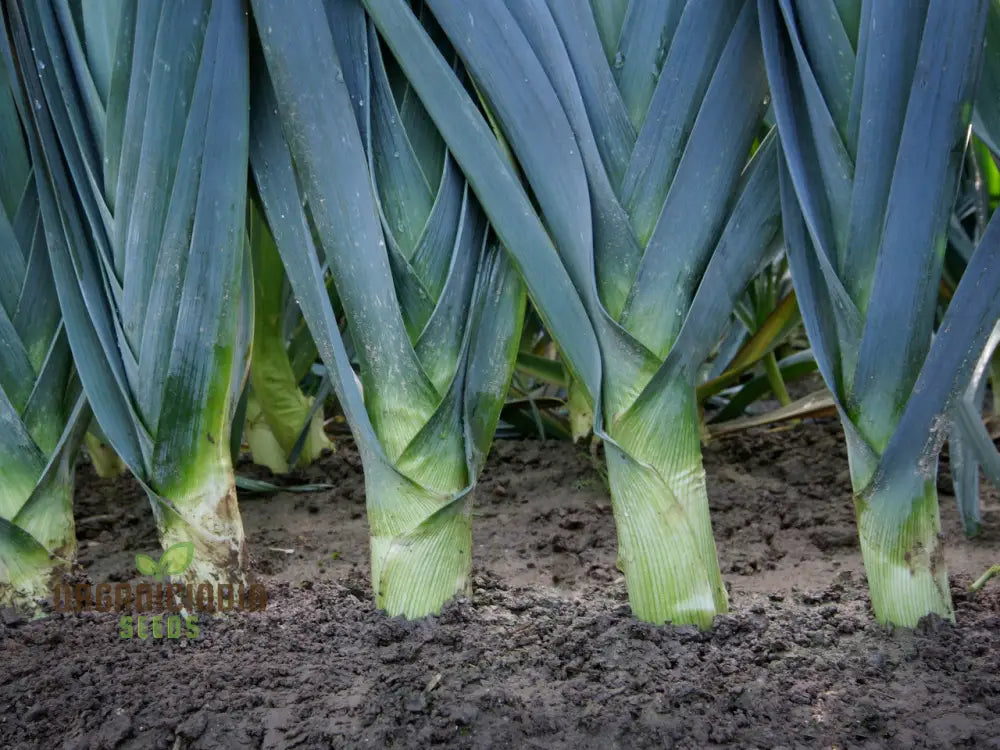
(140,111)
(279,416)
(970,445)
(872,102)
(354,179)
(633,126)
(43,414)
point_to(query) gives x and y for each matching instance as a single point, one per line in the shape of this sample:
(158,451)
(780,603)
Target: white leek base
(26,580)
(414,573)
(904,559)
(665,545)
(210,518)
(41,548)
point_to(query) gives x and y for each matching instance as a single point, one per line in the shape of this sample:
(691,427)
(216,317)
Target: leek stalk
(42,411)
(866,212)
(142,135)
(342,151)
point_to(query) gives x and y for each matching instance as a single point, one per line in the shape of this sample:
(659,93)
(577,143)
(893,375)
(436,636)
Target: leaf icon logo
(174,561)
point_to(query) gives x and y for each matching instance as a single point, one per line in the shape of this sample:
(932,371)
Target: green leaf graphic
(177,559)
(147,566)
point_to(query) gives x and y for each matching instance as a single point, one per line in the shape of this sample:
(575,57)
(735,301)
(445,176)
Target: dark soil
(546,653)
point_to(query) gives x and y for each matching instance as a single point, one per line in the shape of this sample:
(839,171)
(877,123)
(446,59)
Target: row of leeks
(227,197)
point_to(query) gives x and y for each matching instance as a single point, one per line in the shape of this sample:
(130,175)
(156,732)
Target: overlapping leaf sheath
(872,102)
(42,410)
(342,151)
(633,126)
(140,110)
